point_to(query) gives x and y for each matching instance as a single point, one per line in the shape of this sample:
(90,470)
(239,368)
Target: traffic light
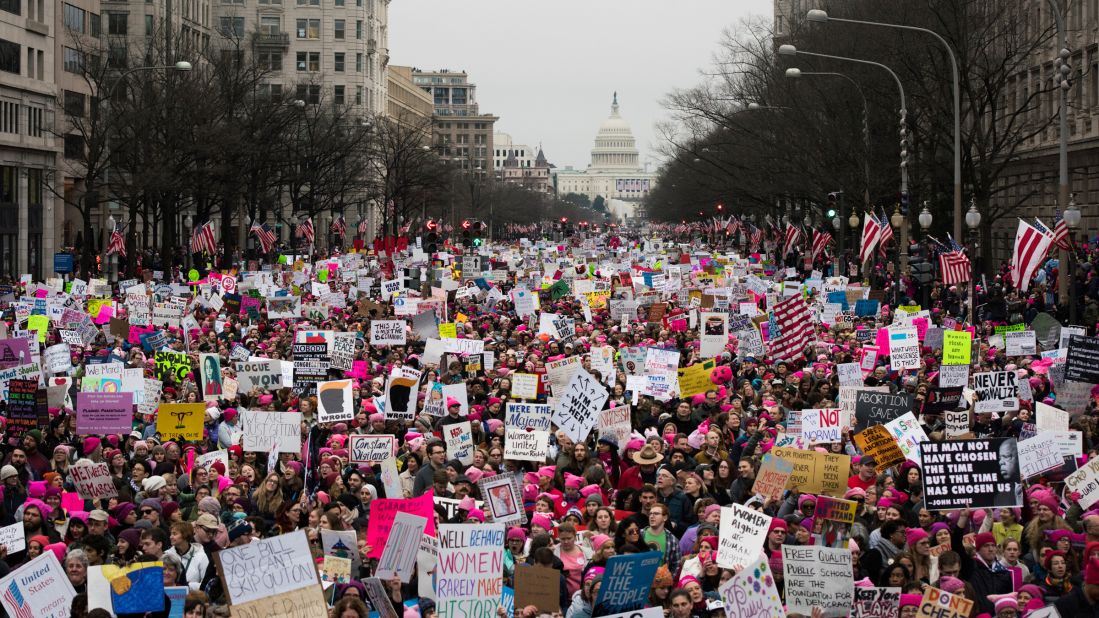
(478,231)
(831,205)
(922,269)
(467,225)
(431,238)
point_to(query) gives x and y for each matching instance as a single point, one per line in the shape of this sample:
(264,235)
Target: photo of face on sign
(210,374)
(502,502)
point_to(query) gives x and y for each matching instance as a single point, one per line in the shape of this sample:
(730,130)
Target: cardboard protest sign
(335,570)
(38,589)
(371,448)
(399,555)
(742,533)
(904,348)
(266,567)
(818,577)
(849,374)
(772,477)
(400,393)
(459,441)
(872,408)
(104,413)
(1082,364)
(629,579)
(997,391)
(815,472)
(181,421)
(503,498)
(1085,482)
(876,602)
(821,425)
(264,430)
(877,442)
(58,358)
(210,376)
(524,385)
(383,512)
(469,575)
(1050,418)
(1039,454)
(387,332)
(957,347)
(92,480)
(134,589)
(836,509)
(941,604)
(342,354)
(1020,343)
(577,406)
(334,402)
(541,586)
(752,593)
(615,423)
(971,473)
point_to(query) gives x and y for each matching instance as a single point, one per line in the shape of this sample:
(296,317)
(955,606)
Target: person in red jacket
(645,470)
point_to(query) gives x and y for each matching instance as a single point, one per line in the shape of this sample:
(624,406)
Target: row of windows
(465,126)
(311,28)
(11,119)
(310,61)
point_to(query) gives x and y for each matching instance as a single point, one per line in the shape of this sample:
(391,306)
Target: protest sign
(92,480)
(12,538)
(953,376)
(171,363)
(210,376)
(957,423)
(399,555)
(752,593)
(335,570)
(181,421)
(528,416)
(28,408)
(560,372)
(615,423)
(772,477)
(818,577)
(904,348)
(1085,482)
(971,473)
(104,413)
(941,604)
(821,425)
(58,358)
(695,380)
(400,393)
(997,391)
(383,512)
(334,402)
(266,567)
(371,448)
(1020,343)
(541,586)
(503,498)
(877,442)
(849,374)
(714,333)
(387,332)
(576,408)
(469,575)
(524,385)
(342,354)
(957,347)
(1082,364)
(38,589)
(1050,418)
(873,408)
(628,579)
(836,509)
(876,602)
(815,472)
(459,441)
(909,434)
(742,532)
(264,430)
(1039,454)
(942,399)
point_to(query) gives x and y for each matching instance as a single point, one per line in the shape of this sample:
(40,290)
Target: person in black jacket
(983,571)
(1082,601)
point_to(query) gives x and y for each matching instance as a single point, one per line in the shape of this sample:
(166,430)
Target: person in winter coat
(1082,601)
(583,601)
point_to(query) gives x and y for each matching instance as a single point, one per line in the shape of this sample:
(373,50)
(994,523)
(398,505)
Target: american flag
(794,322)
(264,235)
(731,226)
(118,241)
(871,233)
(757,238)
(305,230)
(362,226)
(820,242)
(14,597)
(954,266)
(793,235)
(885,233)
(203,239)
(1060,233)
(339,227)
(1032,243)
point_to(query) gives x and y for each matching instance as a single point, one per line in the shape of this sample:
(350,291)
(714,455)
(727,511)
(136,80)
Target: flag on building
(871,233)
(203,240)
(118,241)
(339,227)
(795,326)
(1032,243)
(264,235)
(793,235)
(820,242)
(1060,233)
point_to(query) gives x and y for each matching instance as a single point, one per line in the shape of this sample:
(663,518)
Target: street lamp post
(973,221)
(897,220)
(925,287)
(819,15)
(108,266)
(1072,221)
(1063,70)
(790,50)
(853,223)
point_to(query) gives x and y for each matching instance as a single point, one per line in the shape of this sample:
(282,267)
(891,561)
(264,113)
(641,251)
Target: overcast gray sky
(548,68)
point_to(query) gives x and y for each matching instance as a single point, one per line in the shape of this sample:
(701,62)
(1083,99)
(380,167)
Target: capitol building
(615,172)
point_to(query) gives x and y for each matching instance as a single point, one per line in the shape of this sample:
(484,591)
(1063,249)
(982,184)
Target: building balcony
(271,39)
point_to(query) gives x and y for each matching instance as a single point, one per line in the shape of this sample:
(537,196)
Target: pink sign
(384,510)
(99,413)
(921,327)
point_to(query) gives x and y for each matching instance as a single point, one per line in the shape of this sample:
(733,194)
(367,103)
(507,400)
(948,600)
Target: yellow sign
(815,472)
(598,300)
(695,379)
(95,304)
(448,330)
(180,420)
(909,308)
(957,347)
(41,324)
(461,318)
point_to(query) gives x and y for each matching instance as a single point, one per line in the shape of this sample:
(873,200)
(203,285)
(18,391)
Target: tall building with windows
(407,102)
(461,132)
(28,150)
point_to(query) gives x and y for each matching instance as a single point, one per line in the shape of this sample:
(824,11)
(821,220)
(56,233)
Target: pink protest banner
(358,370)
(384,510)
(137,331)
(882,341)
(105,315)
(71,501)
(921,327)
(99,413)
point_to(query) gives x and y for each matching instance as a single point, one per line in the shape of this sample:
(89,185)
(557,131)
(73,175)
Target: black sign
(941,400)
(310,367)
(1082,364)
(873,408)
(973,474)
(27,407)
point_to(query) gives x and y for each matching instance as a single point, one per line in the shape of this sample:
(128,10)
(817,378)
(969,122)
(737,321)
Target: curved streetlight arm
(900,86)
